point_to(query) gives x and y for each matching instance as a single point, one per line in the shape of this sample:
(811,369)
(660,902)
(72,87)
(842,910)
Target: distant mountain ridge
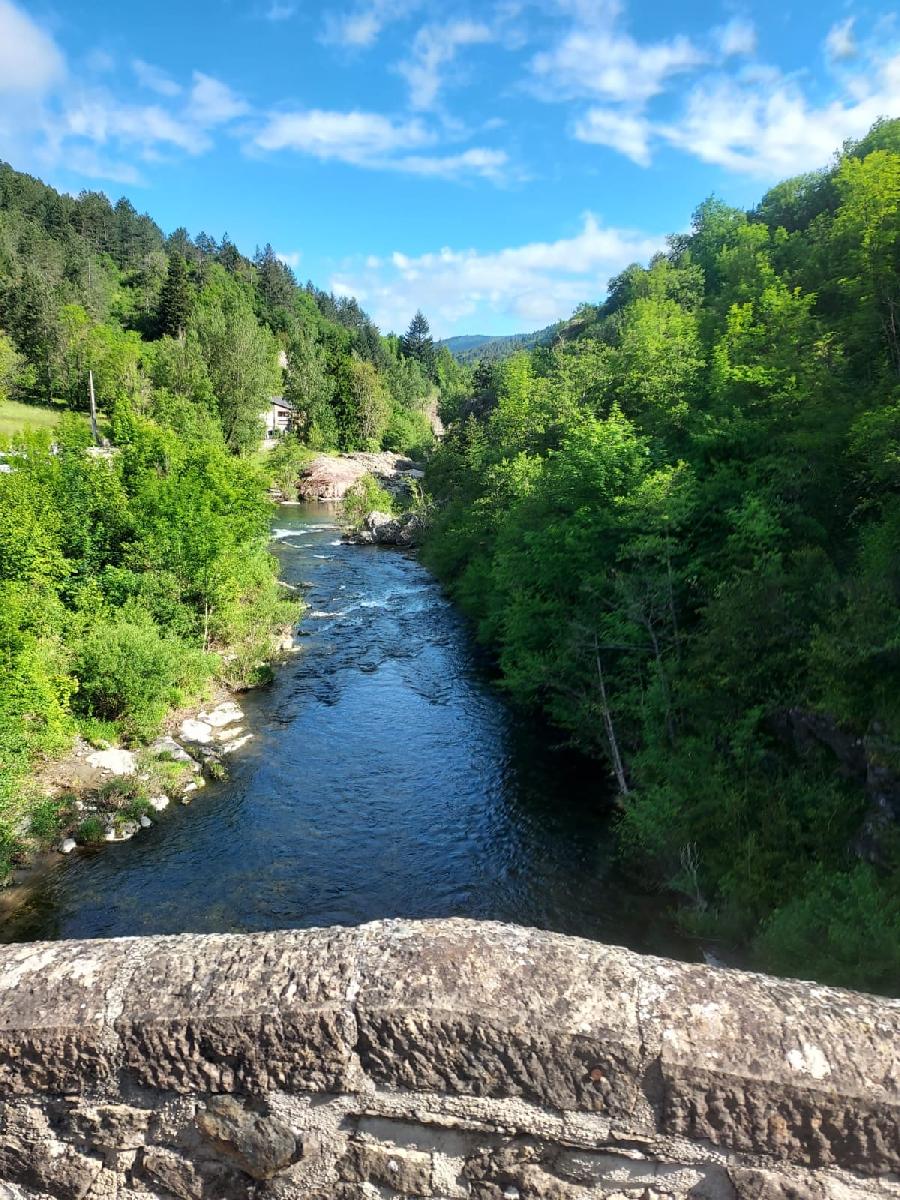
(477,347)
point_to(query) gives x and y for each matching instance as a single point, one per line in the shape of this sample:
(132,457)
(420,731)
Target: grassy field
(14,417)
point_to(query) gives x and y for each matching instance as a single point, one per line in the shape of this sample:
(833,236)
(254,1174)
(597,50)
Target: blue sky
(492,163)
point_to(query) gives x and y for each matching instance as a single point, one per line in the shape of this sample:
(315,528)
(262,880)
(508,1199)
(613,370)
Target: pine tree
(416,342)
(175,299)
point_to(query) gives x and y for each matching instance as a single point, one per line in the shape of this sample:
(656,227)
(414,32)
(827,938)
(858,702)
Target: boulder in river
(193,730)
(329,476)
(226,713)
(382,529)
(174,751)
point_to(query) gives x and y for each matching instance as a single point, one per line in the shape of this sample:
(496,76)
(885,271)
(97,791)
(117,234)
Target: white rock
(68,845)
(194,785)
(110,835)
(230,747)
(231,734)
(196,731)
(145,822)
(158,802)
(174,751)
(223,714)
(118,762)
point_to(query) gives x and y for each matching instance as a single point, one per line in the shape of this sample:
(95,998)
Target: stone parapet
(434,1059)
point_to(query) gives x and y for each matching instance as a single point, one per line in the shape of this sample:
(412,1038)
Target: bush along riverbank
(134,585)
(679,530)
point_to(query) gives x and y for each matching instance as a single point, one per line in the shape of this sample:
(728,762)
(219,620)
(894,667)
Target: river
(387,777)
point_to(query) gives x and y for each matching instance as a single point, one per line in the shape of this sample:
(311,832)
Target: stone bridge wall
(439,1059)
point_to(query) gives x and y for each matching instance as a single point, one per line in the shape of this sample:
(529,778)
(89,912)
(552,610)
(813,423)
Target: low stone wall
(436,1059)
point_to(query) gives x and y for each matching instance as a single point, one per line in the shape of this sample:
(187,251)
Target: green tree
(175,300)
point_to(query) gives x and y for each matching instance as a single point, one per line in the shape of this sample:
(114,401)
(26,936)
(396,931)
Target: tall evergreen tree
(417,342)
(175,299)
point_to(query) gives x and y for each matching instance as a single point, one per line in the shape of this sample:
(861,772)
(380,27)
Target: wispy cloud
(737,37)
(771,128)
(30,61)
(353,137)
(280,12)
(434,48)
(533,284)
(154,79)
(213,102)
(375,142)
(362,25)
(627,132)
(596,57)
(840,42)
(290,258)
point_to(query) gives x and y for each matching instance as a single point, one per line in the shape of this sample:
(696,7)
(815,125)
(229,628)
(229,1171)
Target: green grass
(15,417)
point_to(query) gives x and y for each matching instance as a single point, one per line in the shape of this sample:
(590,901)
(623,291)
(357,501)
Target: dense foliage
(131,574)
(680,528)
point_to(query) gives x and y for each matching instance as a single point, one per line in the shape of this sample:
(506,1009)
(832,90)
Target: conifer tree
(417,343)
(175,299)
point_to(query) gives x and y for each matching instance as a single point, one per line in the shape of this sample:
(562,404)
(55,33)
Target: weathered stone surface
(437,1013)
(233,1013)
(203,1180)
(250,1136)
(451,1059)
(56,1004)
(408,1173)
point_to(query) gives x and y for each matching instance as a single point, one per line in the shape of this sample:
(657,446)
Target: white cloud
(840,43)
(101,119)
(596,58)
(352,137)
(362,26)
(213,102)
(627,132)
(374,141)
(434,48)
(280,12)
(290,258)
(30,61)
(153,78)
(771,129)
(737,37)
(533,284)
(489,164)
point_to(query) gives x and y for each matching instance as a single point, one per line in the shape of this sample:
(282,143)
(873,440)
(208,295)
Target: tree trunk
(614,754)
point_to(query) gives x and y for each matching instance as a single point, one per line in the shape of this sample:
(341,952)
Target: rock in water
(196,731)
(226,713)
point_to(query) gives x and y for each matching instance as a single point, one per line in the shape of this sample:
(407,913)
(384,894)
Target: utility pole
(93,409)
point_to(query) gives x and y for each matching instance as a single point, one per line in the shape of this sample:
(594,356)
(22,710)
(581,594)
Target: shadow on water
(387,777)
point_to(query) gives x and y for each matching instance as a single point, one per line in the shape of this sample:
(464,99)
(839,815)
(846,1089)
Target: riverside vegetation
(677,525)
(134,578)
(680,529)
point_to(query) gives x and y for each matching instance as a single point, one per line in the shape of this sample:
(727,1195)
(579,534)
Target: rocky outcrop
(383,529)
(871,761)
(445,1059)
(329,476)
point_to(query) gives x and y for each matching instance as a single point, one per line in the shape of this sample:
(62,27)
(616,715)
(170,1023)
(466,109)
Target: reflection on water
(387,777)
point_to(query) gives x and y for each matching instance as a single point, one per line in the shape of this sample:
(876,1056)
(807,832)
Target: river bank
(386,777)
(101,791)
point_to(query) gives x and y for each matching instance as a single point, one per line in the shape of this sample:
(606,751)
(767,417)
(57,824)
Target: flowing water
(387,777)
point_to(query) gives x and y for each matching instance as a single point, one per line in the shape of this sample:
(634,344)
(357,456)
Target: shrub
(91,832)
(843,929)
(129,672)
(49,817)
(365,496)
